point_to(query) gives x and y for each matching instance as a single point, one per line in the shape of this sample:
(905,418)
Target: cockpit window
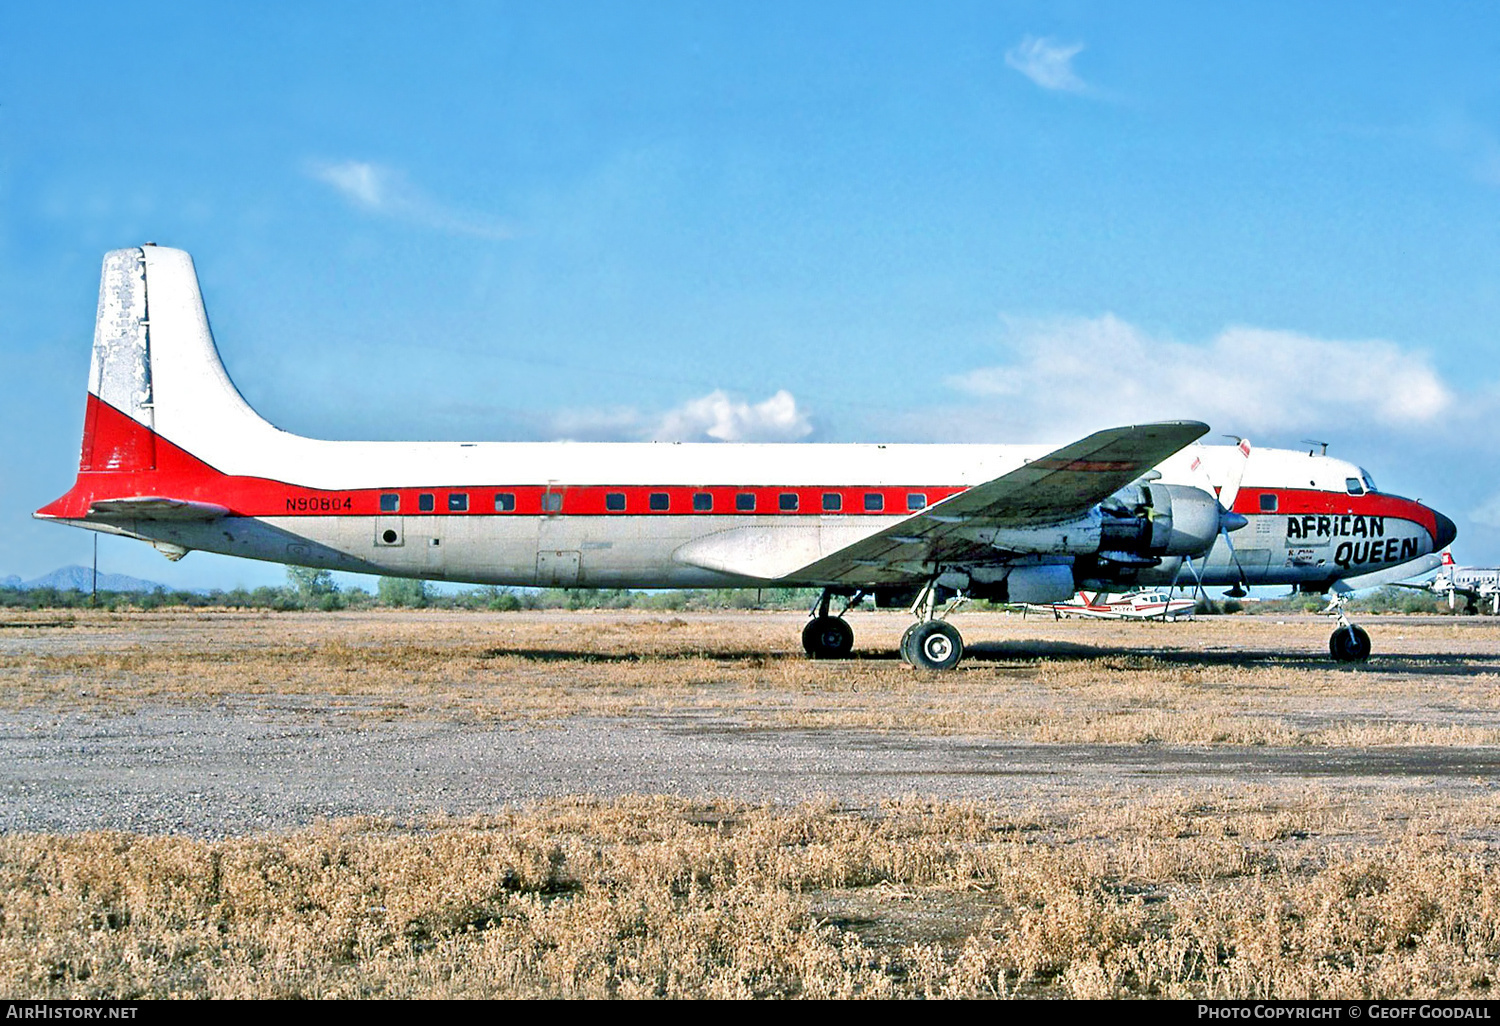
(1369,481)
(1354,486)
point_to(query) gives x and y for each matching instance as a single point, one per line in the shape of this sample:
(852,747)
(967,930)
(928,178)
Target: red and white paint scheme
(1137,605)
(174,456)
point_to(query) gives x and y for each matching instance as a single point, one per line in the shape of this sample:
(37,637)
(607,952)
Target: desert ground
(431,803)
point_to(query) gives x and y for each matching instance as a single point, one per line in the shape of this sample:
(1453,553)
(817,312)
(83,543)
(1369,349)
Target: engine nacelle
(1051,582)
(1145,522)
(1191,522)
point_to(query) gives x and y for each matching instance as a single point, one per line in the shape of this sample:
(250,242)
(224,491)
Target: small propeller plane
(1474,584)
(1135,605)
(174,456)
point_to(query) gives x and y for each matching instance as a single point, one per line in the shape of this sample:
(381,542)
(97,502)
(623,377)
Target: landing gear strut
(932,643)
(829,637)
(1349,643)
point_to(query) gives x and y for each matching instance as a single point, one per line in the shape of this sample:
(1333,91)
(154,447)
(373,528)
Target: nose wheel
(1349,642)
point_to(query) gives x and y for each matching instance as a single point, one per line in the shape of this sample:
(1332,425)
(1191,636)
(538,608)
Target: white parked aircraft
(1136,605)
(1474,584)
(174,456)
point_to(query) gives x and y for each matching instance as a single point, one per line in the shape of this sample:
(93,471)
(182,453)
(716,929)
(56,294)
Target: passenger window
(916,500)
(745,502)
(703,502)
(614,501)
(390,502)
(551,502)
(505,502)
(425,503)
(1354,485)
(788,502)
(660,501)
(832,502)
(874,502)
(1268,502)
(458,502)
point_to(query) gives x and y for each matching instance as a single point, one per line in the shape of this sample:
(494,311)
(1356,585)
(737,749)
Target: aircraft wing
(1060,486)
(154,507)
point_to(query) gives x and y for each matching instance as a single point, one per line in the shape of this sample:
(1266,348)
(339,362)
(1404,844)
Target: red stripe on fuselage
(180,475)
(1305,501)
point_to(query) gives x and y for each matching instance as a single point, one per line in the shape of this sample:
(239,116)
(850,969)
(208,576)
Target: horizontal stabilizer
(154,507)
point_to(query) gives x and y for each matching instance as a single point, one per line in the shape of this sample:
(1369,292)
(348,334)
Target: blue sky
(967,222)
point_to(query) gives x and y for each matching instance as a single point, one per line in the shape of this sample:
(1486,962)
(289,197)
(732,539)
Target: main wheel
(905,647)
(1349,645)
(935,645)
(828,637)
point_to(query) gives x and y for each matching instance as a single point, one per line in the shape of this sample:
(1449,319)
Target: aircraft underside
(626,552)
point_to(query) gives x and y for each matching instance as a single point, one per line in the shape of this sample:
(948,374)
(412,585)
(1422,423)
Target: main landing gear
(932,643)
(829,637)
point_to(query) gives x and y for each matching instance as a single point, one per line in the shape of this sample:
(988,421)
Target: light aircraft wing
(1059,486)
(154,507)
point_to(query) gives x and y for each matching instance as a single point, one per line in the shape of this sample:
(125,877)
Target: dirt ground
(621,803)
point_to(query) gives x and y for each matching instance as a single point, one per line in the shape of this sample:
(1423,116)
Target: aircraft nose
(1446,532)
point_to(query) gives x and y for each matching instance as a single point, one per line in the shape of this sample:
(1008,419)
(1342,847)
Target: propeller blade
(1231,489)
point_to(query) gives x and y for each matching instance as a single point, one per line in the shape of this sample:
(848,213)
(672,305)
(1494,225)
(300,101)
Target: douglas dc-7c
(174,456)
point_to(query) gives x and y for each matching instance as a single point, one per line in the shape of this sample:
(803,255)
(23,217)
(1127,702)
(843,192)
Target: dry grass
(1285,895)
(1231,681)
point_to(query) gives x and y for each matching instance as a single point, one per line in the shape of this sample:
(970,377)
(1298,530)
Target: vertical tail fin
(155,362)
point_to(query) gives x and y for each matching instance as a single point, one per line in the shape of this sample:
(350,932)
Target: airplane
(1473,583)
(1136,605)
(173,455)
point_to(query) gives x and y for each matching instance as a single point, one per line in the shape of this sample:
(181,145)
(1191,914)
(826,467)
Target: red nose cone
(1444,534)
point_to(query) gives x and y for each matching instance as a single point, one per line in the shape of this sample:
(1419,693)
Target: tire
(935,645)
(1349,645)
(905,647)
(828,637)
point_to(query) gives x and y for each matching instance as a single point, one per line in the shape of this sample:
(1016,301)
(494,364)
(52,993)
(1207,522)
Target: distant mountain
(80,578)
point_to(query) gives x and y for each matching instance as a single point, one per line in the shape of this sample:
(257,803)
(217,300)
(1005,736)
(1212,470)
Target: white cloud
(723,419)
(1078,373)
(1047,63)
(365,184)
(384,191)
(716,417)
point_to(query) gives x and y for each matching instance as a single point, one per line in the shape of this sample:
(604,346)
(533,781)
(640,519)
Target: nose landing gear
(1349,643)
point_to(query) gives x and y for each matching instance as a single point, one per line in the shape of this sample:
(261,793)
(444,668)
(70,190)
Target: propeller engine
(1143,522)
